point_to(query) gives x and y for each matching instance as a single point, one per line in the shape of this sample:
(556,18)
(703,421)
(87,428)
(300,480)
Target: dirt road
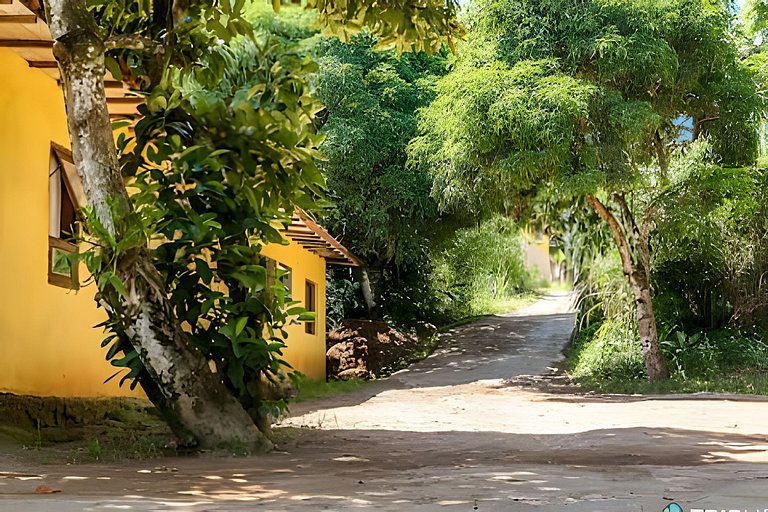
(462,430)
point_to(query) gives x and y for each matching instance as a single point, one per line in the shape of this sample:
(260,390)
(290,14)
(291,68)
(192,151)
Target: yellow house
(48,346)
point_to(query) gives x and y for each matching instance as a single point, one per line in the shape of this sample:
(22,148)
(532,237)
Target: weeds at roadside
(94,449)
(607,359)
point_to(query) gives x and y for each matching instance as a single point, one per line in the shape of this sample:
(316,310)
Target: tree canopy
(370,102)
(588,93)
(589,99)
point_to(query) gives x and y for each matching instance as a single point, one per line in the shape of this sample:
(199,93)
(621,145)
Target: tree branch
(131,42)
(626,215)
(697,125)
(616,231)
(645,224)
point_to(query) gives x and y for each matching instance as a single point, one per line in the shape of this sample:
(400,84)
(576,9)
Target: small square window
(310,304)
(62,266)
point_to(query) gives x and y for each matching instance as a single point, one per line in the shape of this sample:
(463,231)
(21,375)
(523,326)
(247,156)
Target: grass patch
(91,443)
(555,286)
(313,389)
(606,358)
(508,304)
(756,384)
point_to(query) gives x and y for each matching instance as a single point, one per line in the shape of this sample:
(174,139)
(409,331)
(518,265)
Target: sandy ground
(462,430)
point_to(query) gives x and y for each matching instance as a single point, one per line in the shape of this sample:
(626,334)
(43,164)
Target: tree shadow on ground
(493,348)
(396,469)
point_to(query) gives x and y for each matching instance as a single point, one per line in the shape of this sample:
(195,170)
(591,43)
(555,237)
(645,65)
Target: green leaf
(118,285)
(112,376)
(126,361)
(114,68)
(240,325)
(203,270)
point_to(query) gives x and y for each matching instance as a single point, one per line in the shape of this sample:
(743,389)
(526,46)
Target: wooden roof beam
(25,43)
(24,19)
(43,64)
(313,246)
(126,100)
(310,241)
(322,233)
(307,238)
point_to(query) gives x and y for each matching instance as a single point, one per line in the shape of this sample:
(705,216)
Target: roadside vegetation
(711,300)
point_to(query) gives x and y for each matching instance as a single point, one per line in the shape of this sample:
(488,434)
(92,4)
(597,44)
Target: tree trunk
(636,271)
(361,274)
(646,327)
(189,389)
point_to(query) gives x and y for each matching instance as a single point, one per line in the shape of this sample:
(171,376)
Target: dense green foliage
(421,266)
(420,26)
(382,209)
(579,93)
(206,232)
(711,301)
(481,268)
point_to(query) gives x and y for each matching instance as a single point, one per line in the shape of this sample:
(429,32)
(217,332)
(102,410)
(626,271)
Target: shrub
(479,267)
(608,351)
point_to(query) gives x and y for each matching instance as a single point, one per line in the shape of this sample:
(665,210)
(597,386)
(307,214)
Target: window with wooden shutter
(65,196)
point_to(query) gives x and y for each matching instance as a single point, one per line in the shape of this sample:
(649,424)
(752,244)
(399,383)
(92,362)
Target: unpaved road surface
(462,430)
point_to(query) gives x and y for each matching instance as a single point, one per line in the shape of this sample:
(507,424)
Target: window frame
(63,156)
(310,326)
(286,278)
(71,282)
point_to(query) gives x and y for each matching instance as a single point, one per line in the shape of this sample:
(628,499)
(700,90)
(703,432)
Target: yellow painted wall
(48,345)
(47,342)
(536,248)
(305,352)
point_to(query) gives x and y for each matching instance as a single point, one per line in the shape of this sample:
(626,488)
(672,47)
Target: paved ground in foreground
(462,430)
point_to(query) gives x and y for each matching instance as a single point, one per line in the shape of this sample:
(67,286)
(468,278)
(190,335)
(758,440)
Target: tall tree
(164,48)
(382,209)
(588,97)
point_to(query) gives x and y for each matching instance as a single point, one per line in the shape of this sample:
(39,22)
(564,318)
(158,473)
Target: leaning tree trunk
(188,388)
(636,271)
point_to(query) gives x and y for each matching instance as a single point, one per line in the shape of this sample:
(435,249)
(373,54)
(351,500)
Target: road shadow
(491,348)
(392,469)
